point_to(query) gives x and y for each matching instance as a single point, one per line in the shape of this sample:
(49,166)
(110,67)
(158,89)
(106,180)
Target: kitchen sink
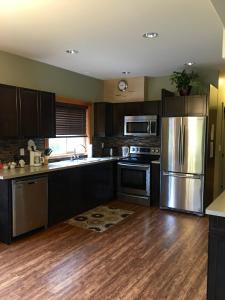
(75,161)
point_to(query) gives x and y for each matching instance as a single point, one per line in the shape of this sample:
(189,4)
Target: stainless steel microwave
(140,125)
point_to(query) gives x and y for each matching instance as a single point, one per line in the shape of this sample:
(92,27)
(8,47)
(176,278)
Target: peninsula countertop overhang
(217,207)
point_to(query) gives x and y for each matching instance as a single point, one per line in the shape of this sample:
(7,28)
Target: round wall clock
(122,85)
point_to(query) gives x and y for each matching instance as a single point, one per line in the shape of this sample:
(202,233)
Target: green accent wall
(24,72)
(155,84)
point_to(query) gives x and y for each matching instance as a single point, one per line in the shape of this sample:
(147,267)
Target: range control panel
(145,150)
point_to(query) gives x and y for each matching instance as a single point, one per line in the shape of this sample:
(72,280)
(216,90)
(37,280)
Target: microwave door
(137,128)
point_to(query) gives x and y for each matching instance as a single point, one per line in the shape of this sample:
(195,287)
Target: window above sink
(64,146)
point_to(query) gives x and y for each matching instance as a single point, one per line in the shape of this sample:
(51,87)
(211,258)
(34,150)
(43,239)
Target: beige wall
(24,72)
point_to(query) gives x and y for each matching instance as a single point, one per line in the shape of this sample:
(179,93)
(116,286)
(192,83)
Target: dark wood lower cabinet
(155,184)
(5,211)
(76,190)
(216,259)
(59,196)
(71,191)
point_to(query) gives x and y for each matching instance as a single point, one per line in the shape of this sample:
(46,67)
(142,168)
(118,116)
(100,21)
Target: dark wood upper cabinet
(29,112)
(9,111)
(103,115)
(47,122)
(118,118)
(152,108)
(26,113)
(173,106)
(109,118)
(184,106)
(133,108)
(196,105)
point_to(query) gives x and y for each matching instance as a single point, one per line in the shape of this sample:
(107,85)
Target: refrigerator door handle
(182,175)
(183,144)
(179,146)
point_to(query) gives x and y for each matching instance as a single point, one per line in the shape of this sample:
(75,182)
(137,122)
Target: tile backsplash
(118,142)
(9,148)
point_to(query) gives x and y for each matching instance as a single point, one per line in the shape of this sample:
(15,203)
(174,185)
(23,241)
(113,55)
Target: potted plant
(184,81)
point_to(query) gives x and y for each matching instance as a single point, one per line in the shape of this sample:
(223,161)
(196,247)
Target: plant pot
(185,91)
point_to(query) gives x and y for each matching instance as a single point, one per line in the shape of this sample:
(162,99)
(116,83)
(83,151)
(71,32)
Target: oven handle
(139,166)
(149,127)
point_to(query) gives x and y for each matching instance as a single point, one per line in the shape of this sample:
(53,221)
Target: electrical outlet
(103,145)
(21,151)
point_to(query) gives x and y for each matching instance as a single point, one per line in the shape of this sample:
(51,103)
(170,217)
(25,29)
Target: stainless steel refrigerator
(183,142)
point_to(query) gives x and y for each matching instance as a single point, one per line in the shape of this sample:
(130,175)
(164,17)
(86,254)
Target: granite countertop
(217,207)
(51,167)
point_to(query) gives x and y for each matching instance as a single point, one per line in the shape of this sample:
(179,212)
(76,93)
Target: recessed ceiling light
(150,35)
(126,72)
(72,51)
(189,63)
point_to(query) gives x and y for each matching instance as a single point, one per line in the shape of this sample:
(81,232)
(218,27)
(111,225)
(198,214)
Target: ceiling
(108,34)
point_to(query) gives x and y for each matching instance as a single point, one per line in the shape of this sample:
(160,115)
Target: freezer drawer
(29,204)
(182,192)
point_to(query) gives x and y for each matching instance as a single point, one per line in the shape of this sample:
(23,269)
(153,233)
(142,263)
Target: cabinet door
(28,112)
(196,105)
(58,197)
(76,186)
(155,184)
(47,117)
(118,119)
(152,108)
(99,184)
(6,211)
(103,115)
(216,266)
(8,111)
(173,107)
(133,108)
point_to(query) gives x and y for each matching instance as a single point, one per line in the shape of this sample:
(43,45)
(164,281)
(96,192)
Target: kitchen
(138,148)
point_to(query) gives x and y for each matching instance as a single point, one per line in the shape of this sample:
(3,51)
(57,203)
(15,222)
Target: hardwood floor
(152,254)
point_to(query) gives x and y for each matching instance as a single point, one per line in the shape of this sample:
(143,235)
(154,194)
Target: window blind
(70,120)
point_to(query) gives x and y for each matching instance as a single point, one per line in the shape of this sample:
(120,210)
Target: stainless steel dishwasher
(29,204)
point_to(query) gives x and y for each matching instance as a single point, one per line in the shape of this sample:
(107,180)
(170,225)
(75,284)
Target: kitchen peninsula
(216,255)
(73,187)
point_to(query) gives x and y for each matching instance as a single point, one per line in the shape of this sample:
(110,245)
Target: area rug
(100,218)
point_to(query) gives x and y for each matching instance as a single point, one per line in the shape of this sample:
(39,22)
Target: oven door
(134,179)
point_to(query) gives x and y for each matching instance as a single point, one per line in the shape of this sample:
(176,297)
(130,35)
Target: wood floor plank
(152,254)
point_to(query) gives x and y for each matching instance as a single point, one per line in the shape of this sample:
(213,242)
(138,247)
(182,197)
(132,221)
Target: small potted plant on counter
(184,81)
